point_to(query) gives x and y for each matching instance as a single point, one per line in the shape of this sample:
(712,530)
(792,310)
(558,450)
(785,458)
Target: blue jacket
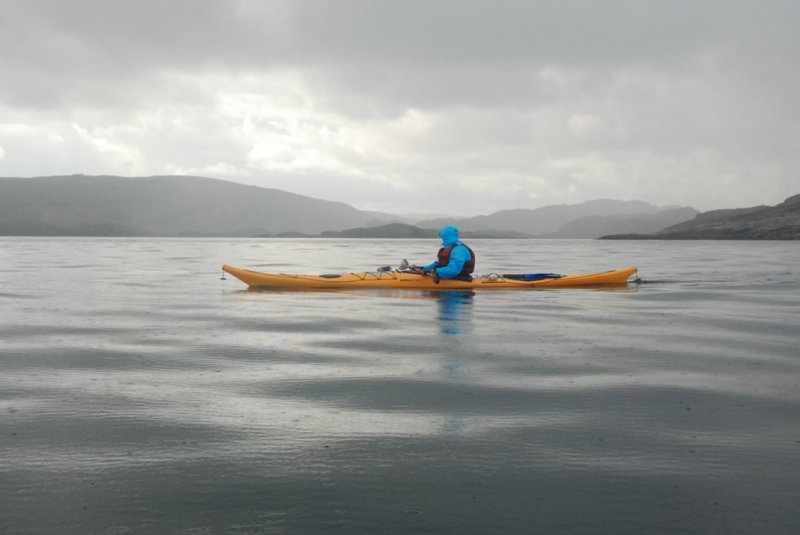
(458,256)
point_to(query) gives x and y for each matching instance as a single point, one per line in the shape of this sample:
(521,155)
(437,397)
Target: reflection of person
(454,311)
(455,260)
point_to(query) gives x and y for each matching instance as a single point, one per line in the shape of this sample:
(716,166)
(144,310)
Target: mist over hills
(79,205)
(164,206)
(595,226)
(547,219)
(404,230)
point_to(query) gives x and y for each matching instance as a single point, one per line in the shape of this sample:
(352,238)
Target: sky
(420,106)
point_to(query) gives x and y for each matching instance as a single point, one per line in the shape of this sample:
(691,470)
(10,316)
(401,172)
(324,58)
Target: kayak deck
(404,280)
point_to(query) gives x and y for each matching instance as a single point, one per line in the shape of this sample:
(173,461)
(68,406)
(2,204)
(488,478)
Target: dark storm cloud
(410,53)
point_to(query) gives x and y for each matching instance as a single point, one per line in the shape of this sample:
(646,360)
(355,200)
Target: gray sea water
(139,393)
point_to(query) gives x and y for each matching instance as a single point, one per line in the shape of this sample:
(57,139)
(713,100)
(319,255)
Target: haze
(443,107)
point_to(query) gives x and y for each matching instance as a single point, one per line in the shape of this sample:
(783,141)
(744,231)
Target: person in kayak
(454,261)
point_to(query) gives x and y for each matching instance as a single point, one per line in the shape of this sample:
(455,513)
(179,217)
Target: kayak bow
(405,280)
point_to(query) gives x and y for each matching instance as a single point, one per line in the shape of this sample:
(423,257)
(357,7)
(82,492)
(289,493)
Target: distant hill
(549,219)
(164,206)
(596,226)
(388,231)
(781,222)
(401,230)
(79,205)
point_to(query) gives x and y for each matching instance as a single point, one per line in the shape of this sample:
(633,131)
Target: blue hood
(449,236)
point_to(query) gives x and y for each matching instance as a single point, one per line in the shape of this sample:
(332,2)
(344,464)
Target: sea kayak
(407,280)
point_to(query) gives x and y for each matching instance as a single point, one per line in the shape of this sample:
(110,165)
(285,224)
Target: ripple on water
(134,382)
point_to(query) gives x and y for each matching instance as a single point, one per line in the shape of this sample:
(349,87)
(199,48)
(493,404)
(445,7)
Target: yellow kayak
(406,280)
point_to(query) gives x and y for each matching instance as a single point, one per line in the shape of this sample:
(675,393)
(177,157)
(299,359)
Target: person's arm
(458,256)
(433,265)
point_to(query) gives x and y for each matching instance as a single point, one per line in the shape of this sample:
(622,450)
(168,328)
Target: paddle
(531,276)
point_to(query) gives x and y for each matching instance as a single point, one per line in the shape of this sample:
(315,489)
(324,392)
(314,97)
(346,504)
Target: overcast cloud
(414,106)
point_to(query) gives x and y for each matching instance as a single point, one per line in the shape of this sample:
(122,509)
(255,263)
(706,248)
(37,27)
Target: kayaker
(455,260)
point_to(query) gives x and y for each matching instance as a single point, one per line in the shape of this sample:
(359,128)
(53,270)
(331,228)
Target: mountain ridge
(165,206)
(779,222)
(173,205)
(546,219)
(405,231)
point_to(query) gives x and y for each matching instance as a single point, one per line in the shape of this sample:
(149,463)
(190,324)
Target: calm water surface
(139,393)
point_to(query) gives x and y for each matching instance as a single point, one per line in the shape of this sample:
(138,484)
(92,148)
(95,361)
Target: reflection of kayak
(414,281)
